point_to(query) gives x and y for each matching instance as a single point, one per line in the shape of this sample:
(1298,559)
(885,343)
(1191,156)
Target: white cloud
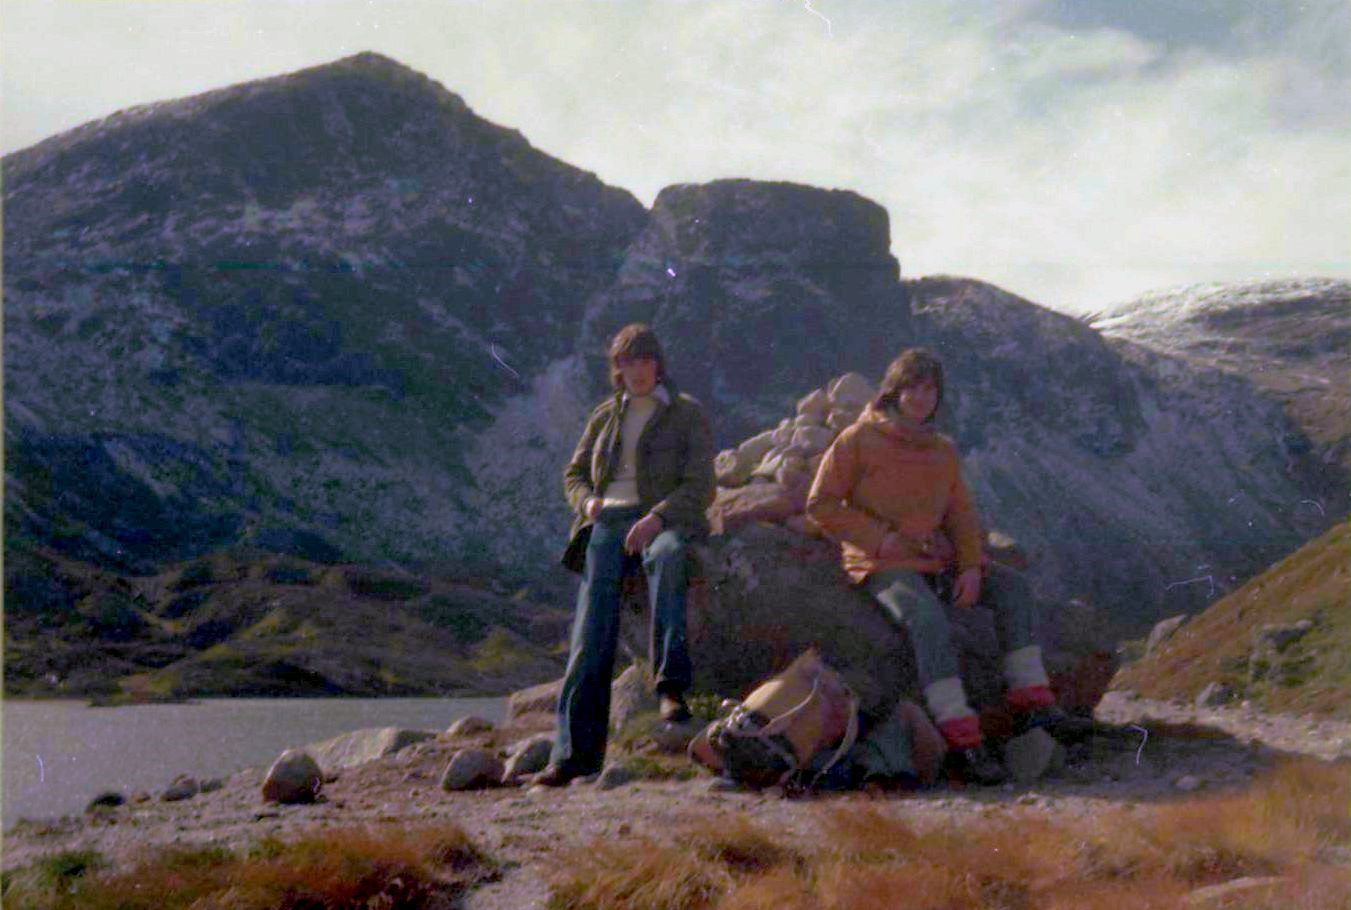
(1073,162)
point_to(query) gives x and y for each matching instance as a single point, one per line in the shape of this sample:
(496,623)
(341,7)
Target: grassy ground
(1147,857)
(1284,842)
(1312,675)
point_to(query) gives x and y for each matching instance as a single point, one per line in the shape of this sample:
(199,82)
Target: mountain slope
(1292,338)
(280,307)
(1255,643)
(247,623)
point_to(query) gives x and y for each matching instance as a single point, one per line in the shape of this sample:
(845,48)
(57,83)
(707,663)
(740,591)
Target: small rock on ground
(107,800)
(293,778)
(1031,755)
(470,769)
(615,776)
(183,787)
(527,757)
(469,726)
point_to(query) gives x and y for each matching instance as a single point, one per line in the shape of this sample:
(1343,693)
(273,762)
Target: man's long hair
(634,340)
(913,366)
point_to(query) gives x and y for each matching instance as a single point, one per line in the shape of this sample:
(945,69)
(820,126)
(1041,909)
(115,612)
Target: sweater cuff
(871,538)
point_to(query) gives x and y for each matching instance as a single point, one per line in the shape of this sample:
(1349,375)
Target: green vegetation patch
(502,651)
(245,623)
(385,585)
(1312,674)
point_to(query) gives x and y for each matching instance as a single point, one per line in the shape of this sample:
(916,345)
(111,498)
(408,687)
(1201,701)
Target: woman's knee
(911,601)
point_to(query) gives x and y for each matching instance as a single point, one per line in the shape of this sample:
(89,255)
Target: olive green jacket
(675,466)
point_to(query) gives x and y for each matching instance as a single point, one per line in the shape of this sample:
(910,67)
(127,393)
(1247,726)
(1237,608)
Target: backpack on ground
(794,727)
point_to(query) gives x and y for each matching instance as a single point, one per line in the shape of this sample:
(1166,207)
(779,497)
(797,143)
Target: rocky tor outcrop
(759,290)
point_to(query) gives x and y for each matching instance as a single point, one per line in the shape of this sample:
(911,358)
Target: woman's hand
(966,590)
(591,508)
(642,532)
(892,547)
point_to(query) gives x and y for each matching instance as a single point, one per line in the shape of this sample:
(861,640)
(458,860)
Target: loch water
(58,755)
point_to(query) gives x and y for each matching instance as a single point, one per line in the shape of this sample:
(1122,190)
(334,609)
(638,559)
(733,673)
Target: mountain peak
(384,82)
(369,60)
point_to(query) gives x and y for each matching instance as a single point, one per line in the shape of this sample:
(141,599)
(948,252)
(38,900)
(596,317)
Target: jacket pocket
(574,554)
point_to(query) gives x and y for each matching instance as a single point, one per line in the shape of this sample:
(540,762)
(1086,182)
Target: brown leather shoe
(556,776)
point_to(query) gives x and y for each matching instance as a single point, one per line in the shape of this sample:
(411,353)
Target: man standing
(639,482)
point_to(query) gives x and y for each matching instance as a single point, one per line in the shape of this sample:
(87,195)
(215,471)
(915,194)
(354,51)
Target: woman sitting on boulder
(889,490)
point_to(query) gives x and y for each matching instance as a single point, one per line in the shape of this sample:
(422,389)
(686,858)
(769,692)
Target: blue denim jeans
(584,702)
(913,600)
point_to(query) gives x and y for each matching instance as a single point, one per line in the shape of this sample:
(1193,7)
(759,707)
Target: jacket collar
(661,393)
(891,422)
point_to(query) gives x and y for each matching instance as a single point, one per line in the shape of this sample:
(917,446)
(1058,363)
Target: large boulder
(631,694)
(771,593)
(767,593)
(536,700)
(348,750)
(468,726)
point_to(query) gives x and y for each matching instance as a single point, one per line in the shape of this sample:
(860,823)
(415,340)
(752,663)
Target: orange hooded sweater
(882,475)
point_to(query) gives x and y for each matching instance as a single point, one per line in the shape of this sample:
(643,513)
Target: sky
(1075,152)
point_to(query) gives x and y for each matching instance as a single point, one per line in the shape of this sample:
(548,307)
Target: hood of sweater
(892,424)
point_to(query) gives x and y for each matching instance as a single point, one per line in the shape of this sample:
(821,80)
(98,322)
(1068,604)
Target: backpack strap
(847,743)
(777,725)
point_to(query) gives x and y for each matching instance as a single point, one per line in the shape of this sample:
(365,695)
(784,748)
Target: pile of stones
(767,477)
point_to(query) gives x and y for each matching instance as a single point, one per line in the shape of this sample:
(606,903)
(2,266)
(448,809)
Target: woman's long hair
(913,366)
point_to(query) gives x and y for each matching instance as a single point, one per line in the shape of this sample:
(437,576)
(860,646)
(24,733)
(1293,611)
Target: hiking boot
(961,733)
(557,775)
(1055,720)
(672,708)
(977,766)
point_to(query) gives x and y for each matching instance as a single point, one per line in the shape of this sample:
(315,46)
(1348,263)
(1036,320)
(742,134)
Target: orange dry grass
(776,889)
(1282,821)
(359,867)
(866,857)
(710,859)
(738,846)
(638,875)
